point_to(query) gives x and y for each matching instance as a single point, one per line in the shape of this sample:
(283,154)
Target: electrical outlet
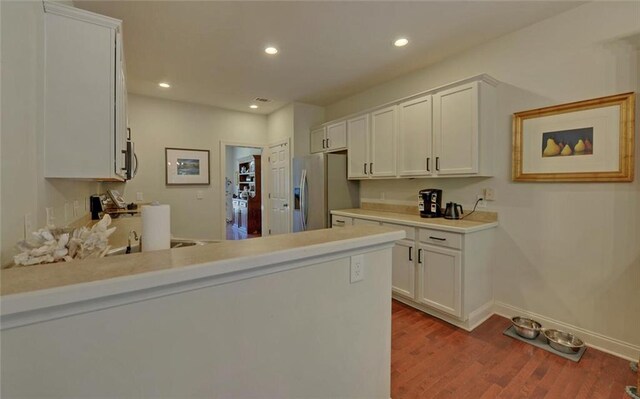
(28,226)
(76,208)
(139,196)
(482,203)
(199,195)
(489,194)
(357,268)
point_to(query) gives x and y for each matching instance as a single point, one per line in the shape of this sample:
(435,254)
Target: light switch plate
(139,196)
(199,195)
(489,194)
(357,268)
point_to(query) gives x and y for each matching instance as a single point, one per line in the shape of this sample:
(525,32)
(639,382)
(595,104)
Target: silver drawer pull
(437,238)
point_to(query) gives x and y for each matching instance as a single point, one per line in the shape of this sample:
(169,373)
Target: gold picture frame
(602,128)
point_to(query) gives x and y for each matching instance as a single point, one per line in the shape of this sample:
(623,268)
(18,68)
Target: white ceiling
(213,52)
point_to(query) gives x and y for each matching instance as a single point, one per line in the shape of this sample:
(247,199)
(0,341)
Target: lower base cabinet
(403,269)
(443,273)
(440,279)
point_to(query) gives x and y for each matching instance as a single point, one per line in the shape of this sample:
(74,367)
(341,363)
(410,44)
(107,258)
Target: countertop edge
(463,230)
(47,304)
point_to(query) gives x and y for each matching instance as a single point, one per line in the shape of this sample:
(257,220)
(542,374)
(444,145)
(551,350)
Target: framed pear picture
(585,141)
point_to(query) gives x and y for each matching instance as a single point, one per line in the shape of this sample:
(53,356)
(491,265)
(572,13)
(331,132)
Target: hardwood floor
(433,359)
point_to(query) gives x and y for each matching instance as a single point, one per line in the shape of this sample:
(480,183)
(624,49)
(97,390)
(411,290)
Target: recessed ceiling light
(401,42)
(164,85)
(253,106)
(271,50)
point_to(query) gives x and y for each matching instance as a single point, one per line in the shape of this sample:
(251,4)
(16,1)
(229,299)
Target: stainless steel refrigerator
(320,186)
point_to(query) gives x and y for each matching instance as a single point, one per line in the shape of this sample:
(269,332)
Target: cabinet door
(79,110)
(358,147)
(455,130)
(360,222)
(317,140)
(414,137)
(383,142)
(337,136)
(120,141)
(440,279)
(403,269)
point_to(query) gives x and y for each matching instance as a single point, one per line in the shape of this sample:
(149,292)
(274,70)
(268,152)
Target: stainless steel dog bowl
(526,328)
(563,341)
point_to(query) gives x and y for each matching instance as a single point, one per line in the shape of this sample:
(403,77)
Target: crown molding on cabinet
(81,15)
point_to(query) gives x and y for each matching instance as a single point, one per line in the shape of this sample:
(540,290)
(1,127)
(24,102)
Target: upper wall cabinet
(371,144)
(329,138)
(85,128)
(415,135)
(446,132)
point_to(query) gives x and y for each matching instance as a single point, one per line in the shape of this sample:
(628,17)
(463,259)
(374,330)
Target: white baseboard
(480,315)
(590,338)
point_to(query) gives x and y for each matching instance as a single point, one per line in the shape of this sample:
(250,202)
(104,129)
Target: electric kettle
(451,211)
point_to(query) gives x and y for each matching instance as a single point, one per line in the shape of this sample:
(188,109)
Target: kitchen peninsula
(233,319)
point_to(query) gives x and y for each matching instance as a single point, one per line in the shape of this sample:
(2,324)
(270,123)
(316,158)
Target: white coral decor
(55,245)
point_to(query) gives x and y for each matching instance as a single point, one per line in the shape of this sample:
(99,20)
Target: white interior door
(279,176)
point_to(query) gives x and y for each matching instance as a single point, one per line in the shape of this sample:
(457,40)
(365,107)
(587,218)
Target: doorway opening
(243,192)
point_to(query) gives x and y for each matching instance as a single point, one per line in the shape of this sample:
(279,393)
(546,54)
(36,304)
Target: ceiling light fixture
(164,85)
(253,106)
(401,42)
(271,50)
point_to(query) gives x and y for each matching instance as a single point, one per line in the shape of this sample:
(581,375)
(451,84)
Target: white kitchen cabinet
(341,221)
(336,136)
(415,137)
(444,132)
(329,138)
(464,128)
(456,129)
(317,140)
(383,142)
(403,269)
(358,147)
(371,140)
(440,278)
(447,273)
(361,222)
(85,95)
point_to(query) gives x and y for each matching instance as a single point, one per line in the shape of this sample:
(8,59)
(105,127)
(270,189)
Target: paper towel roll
(156,227)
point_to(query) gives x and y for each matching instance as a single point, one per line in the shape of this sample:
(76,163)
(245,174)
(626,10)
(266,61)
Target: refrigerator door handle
(303,199)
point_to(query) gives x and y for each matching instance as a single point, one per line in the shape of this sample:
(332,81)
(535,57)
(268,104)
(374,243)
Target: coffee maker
(430,203)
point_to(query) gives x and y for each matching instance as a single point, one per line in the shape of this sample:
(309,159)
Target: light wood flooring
(433,359)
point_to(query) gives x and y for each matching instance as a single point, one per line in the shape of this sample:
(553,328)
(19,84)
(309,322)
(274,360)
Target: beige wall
(305,116)
(24,189)
(567,251)
(280,124)
(156,124)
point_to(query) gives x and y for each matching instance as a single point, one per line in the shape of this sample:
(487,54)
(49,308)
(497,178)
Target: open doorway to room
(243,192)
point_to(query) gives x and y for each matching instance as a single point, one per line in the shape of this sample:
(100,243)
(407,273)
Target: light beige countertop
(245,254)
(456,226)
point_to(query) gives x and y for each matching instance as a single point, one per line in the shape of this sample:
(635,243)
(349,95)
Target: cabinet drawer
(341,221)
(442,238)
(411,231)
(359,222)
